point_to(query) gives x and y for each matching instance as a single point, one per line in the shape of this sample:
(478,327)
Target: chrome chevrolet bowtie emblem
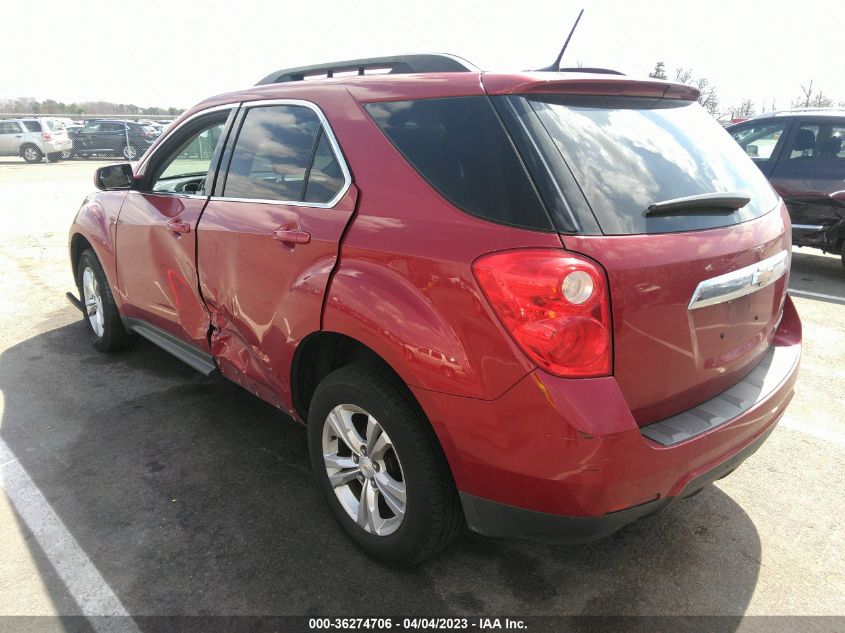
(740,282)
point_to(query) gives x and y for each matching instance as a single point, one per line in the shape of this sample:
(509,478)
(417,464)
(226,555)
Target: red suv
(544,303)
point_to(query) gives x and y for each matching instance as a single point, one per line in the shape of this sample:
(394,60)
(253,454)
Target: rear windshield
(627,153)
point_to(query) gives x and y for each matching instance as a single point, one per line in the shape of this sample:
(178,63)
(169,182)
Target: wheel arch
(323,352)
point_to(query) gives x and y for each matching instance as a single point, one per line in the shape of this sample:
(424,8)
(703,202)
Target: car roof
(398,87)
(801,113)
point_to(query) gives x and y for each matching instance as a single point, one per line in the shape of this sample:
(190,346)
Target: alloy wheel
(93,301)
(364,470)
(30,154)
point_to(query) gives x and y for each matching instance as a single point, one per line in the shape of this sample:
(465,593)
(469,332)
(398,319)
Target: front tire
(130,152)
(380,467)
(105,327)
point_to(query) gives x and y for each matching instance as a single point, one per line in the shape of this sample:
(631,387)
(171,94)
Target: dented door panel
(265,295)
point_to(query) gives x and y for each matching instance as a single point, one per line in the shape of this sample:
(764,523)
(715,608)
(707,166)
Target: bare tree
(745,109)
(683,75)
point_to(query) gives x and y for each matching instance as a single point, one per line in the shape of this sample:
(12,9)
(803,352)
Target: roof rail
(597,71)
(399,64)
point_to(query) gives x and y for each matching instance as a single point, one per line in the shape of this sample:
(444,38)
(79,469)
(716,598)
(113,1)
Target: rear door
(811,167)
(268,241)
(696,293)
(156,233)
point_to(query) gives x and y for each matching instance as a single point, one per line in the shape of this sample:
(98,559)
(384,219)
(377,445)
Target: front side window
(283,153)
(760,139)
(184,168)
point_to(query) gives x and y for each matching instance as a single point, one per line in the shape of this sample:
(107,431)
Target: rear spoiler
(602,85)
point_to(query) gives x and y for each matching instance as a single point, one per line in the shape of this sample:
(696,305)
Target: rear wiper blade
(725,202)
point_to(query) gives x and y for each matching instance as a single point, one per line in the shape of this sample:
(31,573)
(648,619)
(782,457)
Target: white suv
(32,139)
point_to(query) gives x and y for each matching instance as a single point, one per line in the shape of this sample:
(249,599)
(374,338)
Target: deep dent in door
(263,295)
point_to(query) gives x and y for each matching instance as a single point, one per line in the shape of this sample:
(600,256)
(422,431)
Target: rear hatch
(696,288)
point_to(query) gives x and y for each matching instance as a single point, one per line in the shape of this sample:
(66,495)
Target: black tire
(433,513)
(54,157)
(31,154)
(131,152)
(67,154)
(114,336)
(843,252)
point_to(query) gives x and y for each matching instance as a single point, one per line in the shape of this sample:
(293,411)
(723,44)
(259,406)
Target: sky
(177,53)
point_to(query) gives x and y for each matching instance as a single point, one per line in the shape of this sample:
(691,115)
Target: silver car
(32,139)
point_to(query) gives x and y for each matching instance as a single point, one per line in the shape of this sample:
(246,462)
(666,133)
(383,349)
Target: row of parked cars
(34,138)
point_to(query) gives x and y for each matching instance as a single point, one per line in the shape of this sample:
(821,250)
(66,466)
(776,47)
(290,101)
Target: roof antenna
(556,66)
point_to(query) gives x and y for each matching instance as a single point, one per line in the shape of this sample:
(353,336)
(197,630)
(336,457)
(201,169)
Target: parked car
(104,137)
(601,267)
(33,139)
(802,152)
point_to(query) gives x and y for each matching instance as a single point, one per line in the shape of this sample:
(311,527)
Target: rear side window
(818,141)
(282,153)
(32,126)
(460,147)
(627,153)
(10,127)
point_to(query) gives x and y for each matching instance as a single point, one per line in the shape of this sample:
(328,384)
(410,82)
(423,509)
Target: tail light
(555,305)
(47,136)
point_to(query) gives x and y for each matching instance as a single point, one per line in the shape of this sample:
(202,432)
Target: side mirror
(751,150)
(114,177)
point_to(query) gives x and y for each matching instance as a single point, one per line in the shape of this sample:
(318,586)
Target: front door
(268,241)
(156,234)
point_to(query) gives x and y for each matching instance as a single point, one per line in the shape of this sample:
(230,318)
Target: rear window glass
(282,153)
(627,153)
(460,147)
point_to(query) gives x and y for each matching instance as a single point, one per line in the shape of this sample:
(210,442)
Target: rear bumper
(500,520)
(564,460)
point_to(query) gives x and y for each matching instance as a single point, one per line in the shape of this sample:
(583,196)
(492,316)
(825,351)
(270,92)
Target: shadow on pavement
(190,496)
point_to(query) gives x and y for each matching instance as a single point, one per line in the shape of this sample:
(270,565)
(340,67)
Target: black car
(802,152)
(112,137)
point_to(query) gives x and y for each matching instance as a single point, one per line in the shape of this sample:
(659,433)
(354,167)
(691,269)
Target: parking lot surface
(131,484)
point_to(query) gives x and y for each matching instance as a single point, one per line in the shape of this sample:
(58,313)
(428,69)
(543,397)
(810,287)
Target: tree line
(28,105)
(709,99)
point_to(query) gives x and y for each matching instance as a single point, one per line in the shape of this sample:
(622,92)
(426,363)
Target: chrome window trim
(808,227)
(327,129)
(741,282)
(142,168)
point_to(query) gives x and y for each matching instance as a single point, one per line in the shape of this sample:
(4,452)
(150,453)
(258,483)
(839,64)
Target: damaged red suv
(545,303)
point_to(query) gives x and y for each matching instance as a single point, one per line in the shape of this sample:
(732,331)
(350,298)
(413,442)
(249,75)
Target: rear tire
(843,252)
(31,154)
(105,327)
(130,152)
(414,510)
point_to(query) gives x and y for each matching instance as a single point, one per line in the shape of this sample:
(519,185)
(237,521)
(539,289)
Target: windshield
(628,153)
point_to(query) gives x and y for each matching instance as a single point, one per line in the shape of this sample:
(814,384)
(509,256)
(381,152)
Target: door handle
(177,226)
(290,236)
